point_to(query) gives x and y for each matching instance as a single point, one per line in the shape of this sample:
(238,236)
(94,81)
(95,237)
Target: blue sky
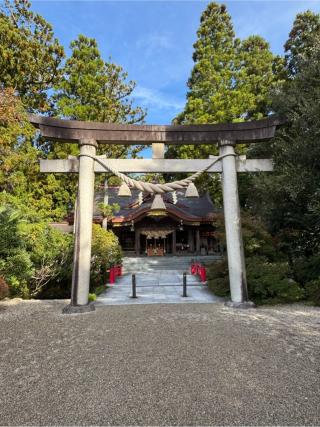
(152,40)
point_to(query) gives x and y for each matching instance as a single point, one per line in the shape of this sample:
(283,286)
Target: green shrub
(18,270)
(4,288)
(92,297)
(106,252)
(306,269)
(256,238)
(312,289)
(34,257)
(217,277)
(50,252)
(269,277)
(270,283)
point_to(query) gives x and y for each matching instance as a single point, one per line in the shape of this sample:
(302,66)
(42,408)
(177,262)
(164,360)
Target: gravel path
(195,364)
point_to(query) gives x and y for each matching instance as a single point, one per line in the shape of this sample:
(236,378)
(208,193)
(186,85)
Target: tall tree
(231,78)
(94,90)
(29,54)
(304,32)
(211,97)
(289,198)
(21,185)
(259,72)
(230,82)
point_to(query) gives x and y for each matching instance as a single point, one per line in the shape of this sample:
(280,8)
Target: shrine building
(169,224)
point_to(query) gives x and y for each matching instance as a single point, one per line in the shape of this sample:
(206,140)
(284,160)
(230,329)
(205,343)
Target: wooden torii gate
(89,134)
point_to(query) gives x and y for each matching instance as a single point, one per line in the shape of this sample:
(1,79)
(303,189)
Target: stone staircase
(168,264)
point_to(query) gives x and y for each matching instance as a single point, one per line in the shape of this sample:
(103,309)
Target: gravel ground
(196,364)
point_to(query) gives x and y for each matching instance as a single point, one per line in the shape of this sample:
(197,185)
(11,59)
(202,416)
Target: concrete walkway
(157,287)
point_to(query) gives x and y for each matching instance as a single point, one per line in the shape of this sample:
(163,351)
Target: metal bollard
(134,290)
(184,285)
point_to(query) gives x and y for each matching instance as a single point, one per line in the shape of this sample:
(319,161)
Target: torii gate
(89,134)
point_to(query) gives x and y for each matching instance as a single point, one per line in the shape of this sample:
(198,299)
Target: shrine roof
(199,209)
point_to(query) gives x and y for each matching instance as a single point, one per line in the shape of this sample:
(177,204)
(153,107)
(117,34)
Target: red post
(112,276)
(192,268)
(198,269)
(203,274)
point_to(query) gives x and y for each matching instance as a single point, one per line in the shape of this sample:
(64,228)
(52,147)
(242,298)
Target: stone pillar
(174,242)
(83,234)
(231,207)
(197,241)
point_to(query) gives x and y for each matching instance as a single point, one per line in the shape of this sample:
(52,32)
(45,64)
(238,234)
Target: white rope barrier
(148,187)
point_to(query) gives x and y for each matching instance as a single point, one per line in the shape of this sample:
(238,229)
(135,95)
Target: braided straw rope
(148,187)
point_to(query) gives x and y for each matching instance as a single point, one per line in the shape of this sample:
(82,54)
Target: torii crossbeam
(89,134)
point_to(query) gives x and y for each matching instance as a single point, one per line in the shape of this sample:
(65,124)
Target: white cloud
(152,98)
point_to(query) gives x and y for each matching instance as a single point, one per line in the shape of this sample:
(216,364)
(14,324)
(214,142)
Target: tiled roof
(190,209)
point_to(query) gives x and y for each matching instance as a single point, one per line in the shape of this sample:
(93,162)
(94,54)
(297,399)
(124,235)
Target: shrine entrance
(89,134)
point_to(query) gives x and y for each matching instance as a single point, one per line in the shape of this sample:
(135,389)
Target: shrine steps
(168,263)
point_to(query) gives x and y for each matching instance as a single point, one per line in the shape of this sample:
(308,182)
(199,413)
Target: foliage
(230,78)
(108,212)
(270,282)
(300,44)
(313,291)
(50,253)
(92,297)
(15,264)
(4,288)
(13,120)
(39,196)
(218,279)
(29,54)
(288,200)
(106,252)
(94,90)
(257,240)
(230,82)
(32,256)
(306,269)
(269,276)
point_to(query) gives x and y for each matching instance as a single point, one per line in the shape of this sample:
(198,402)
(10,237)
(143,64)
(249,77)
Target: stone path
(157,287)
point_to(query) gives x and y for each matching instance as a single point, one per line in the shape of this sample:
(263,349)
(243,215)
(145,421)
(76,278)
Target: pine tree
(94,90)
(230,82)
(29,54)
(302,38)
(288,200)
(259,73)
(211,97)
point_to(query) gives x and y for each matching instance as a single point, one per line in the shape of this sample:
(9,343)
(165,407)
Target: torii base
(242,305)
(78,309)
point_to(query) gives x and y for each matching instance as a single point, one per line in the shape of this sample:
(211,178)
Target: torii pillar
(83,231)
(231,207)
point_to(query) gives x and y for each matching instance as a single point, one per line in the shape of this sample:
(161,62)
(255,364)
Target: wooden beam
(155,165)
(112,133)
